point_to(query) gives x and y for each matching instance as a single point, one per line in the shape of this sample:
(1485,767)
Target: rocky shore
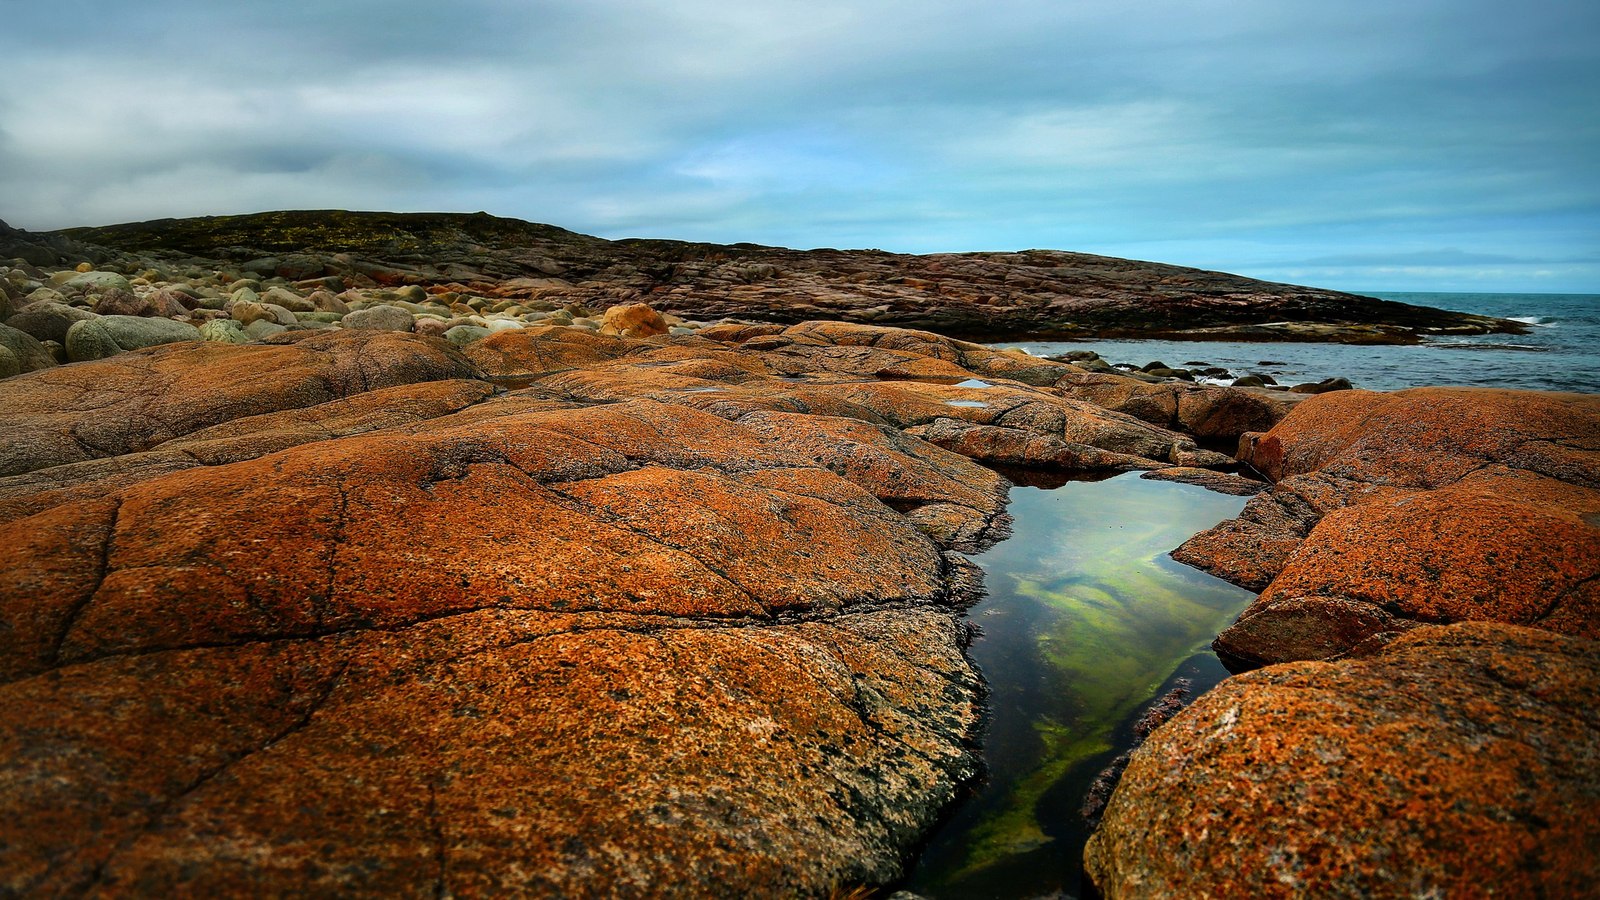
(438,586)
(483,266)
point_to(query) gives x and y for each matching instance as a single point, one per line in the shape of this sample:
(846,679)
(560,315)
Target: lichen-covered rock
(134,401)
(1456,761)
(633,320)
(225,331)
(569,652)
(1420,506)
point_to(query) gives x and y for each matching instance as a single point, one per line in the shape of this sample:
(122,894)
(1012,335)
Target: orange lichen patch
(791,552)
(1428,437)
(135,401)
(1455,758)
(236,440)
(1429,505)
(574,762)
(897,469)
(540,350)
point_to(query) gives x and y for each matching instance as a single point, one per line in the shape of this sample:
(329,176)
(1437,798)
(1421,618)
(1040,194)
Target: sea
(1560,352)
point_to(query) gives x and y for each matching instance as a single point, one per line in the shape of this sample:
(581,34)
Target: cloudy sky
(1365,144)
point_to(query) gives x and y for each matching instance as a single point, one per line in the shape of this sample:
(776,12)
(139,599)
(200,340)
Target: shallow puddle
(1087,620)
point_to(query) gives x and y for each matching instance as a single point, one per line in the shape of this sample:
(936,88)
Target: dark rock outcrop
(1034,294)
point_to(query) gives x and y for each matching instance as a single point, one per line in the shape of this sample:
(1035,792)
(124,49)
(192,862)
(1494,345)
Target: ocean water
(1560,353)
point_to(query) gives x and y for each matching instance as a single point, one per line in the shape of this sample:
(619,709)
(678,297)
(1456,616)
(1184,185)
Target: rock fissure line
(170,804)
(101,572)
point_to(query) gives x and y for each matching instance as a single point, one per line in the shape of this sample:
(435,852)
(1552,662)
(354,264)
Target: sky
(1360,145)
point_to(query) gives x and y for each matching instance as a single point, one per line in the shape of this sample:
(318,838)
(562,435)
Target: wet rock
(1273,785)
(106,336)
(1323,386)
(1221,482)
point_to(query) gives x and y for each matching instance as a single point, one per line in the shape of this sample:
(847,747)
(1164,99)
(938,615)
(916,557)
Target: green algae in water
(1087,617)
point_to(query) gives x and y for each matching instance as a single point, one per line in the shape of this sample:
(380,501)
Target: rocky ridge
(1035,294)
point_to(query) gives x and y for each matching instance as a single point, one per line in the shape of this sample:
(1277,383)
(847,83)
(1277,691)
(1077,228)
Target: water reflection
(1087,617)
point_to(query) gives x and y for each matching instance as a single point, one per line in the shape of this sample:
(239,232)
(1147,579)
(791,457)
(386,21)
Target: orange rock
(633,320)
(1453,761)
(515,648)
(1427,505)
(134,401)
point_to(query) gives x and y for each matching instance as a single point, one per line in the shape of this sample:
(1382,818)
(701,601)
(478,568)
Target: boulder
(93,282)
(289,300)
(120,302)
(462,335)
(25,353)
(633,320)
(225,331)
(1454,760)
(106,336)
(48,320)
(378,318)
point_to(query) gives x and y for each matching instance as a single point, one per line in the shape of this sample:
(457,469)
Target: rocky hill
(984,296)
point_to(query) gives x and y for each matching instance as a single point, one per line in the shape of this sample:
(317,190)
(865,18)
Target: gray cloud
(1346,141)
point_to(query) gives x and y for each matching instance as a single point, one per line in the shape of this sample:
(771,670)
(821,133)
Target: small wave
(1521,348)
(1544,321)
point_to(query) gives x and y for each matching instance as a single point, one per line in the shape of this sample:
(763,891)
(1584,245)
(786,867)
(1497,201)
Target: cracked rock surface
(567,615)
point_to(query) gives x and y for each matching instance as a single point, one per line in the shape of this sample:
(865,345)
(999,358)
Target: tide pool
(1087,620)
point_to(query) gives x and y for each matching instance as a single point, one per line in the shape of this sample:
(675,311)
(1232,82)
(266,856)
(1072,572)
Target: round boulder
(97,282)
(109,335)
(25,350)
(47,320)
(379,318)
(633,320)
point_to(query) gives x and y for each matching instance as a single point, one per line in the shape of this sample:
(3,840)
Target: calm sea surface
(1560,353)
